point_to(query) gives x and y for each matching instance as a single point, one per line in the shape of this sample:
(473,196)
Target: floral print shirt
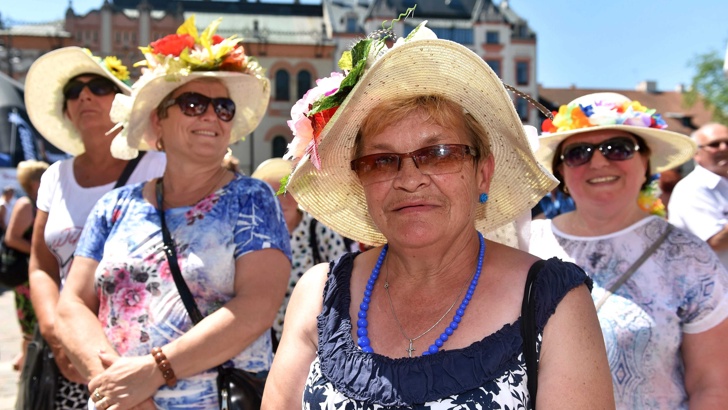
(139,305)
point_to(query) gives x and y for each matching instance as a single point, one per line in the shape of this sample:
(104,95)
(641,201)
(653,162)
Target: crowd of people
(388,260)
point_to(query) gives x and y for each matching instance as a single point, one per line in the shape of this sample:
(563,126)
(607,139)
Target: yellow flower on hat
(115,66)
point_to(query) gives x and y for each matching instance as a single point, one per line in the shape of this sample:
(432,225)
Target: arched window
(282,91)
(304,82)
(279,146)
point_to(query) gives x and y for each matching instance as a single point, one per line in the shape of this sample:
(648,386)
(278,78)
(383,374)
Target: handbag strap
(632,269)
(529,331)
(171,252)
(128,169)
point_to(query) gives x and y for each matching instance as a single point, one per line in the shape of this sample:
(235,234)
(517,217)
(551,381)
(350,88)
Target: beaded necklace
(362,323)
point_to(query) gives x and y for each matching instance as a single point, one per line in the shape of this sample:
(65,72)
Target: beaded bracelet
(164,366)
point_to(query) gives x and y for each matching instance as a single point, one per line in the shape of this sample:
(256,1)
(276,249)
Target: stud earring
(483,198)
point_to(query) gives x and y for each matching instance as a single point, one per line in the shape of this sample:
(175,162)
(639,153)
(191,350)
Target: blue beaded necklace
(362,323)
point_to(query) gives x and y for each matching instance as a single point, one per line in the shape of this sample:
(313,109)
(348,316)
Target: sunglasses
(195,104)
(432,160)
(98,86)
(614,149)
(715,144)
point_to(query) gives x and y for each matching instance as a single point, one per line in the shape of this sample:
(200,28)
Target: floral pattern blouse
(489,374)
(139,305)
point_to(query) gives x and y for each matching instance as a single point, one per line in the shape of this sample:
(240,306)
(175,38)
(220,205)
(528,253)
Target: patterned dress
(489,374)
(139,306)
(330,246)
(681,288)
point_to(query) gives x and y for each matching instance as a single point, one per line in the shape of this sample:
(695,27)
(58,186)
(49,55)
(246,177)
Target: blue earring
(483,198)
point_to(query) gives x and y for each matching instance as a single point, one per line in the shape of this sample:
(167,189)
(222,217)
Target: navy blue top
(489,371)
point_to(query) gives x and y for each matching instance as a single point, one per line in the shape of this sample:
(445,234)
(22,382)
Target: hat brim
(334,194)
(249,93)
(44,94)
(668,149)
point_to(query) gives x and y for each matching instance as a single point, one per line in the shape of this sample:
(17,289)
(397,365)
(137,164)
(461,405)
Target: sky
(612,44)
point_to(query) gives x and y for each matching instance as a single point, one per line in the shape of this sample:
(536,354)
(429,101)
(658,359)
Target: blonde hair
(437,109)
(30,171)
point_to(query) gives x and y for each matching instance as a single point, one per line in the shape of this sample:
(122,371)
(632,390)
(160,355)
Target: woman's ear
(485,171)
(156,127)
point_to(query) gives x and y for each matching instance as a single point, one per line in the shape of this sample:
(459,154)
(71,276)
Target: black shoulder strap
(529,332)
(171,252)
(313,242)
(128,169)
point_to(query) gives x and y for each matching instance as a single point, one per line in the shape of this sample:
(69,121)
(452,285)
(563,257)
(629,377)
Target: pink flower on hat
(300,123)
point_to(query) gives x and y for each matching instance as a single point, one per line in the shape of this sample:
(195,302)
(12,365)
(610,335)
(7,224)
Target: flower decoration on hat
(311,113)
(576,116)
(186,51)
(113,65)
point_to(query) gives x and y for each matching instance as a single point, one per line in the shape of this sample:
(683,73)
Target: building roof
(668,103)
(281,29)
(49,29)
(225,7)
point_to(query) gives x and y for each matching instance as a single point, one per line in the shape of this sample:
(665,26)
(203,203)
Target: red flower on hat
(217,39)
(172,44)
(235,61)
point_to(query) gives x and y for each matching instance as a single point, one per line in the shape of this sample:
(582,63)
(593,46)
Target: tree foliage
(709,84)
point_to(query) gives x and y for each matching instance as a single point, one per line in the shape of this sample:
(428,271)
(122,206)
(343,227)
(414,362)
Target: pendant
(410,349)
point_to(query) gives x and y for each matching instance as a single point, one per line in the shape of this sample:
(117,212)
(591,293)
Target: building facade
(298,43)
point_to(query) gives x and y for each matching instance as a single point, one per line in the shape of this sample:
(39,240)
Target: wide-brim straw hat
(334,195)
(250,94)
(44,94)
(668,149)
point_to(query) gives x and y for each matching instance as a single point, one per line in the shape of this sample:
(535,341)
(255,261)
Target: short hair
(438,109)
(30,171)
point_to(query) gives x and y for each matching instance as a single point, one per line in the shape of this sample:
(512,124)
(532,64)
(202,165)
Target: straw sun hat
(177,59)
(44,91)
(612,111)
(323,182)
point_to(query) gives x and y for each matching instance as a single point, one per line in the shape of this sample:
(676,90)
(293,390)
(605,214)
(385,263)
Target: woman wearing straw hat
(311,241)
(220,234)
(423,152)
(68,95)
(660,292)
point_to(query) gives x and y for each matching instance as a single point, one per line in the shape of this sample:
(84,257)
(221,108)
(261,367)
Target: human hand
(127,383)
(64,364)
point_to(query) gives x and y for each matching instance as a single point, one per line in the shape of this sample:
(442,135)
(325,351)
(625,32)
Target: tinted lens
(224,108)
(716,144)
(440,159)
(618,149)
(432,160)
(577,154)
(376,168)
(194,104)
(98,86)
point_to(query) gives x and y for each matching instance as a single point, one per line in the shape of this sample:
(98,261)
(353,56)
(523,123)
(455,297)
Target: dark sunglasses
(715,144)
(614,149)
(98,86)
(194,104)
(432,160)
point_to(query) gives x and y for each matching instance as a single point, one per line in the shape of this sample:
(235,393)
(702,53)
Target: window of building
(118,37)
(126,36)
(351,25)
(495,65)
(282,87)
(96,36)
(492,37)
(522,73)
(458,35)
(522,108)
(79,36)
(280,145)
(133,38)
(304,82)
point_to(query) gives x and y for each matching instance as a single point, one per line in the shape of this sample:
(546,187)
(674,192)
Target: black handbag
(13,266)
(237,389)
(39,378)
